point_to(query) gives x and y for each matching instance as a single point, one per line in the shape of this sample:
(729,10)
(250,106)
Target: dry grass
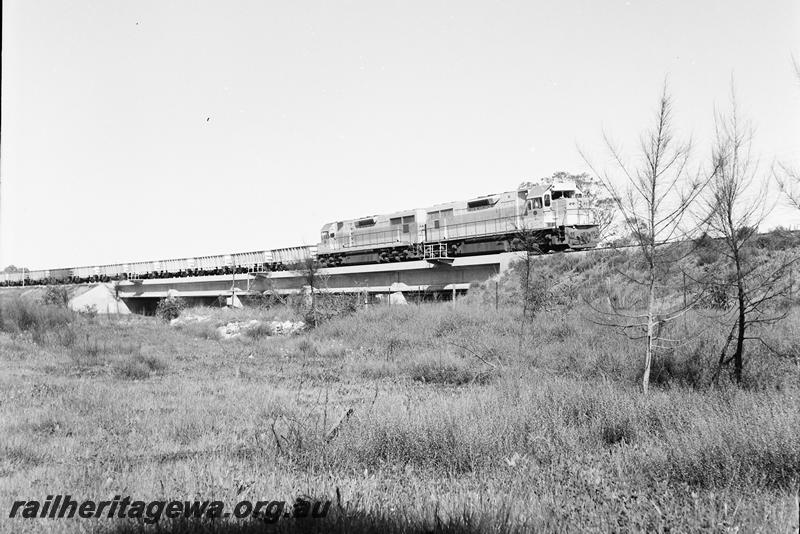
(454,428)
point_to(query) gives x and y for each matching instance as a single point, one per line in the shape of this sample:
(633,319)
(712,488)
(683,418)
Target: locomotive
(553,217)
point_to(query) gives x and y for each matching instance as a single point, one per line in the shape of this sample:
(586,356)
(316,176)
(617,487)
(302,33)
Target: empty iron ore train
(226,264)
(553,217)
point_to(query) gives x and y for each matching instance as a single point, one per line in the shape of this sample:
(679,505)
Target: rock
(188,318)
(287,327)
(236,329)
(229,331)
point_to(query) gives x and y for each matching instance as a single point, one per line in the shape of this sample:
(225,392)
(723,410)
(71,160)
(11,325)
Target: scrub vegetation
(463,417)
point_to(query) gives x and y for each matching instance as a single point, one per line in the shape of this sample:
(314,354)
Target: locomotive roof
(540,190)
(537,190)
(377,217)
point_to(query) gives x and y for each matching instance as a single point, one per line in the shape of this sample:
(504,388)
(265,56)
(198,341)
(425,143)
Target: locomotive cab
(548,200)
(537,200)
(560,206)
(568,206)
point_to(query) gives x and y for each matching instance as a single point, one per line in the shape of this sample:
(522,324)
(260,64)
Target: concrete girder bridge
(431,279)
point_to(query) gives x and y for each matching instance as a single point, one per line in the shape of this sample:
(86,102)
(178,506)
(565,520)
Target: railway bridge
(415,280)
(434,278)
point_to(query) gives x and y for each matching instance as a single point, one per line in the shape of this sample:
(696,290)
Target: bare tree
(788,179)
(526,242)
(322,303)
(309,270)
(734,207)
(788,176)
(657,193)
(541,288)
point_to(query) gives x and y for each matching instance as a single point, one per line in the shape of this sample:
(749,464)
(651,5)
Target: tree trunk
(738,356)
(525,300)
(651,326)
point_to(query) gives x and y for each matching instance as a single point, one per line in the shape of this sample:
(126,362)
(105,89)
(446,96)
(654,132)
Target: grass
(461,422)
(26,316)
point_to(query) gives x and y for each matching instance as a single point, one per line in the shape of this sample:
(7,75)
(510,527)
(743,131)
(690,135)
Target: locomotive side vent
(481,203)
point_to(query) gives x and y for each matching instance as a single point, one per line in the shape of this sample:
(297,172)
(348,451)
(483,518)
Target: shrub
(56,295)
(328,306)
(132,370)
(66,337)
(707,256)
(616,431)
(307,348)
(139,367)
(267,299)
(89,311)
(718,297)
(446,369)
(154,363)
(92,349)
(260,330)
(170,308)
(22,315)
(778,239)
(690,369)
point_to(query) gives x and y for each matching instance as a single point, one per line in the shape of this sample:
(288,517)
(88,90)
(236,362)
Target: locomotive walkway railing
(437,252)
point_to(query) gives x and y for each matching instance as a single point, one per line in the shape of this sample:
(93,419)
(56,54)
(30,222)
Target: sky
(142,130)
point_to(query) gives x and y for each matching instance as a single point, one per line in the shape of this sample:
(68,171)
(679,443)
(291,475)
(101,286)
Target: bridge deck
(414,276)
